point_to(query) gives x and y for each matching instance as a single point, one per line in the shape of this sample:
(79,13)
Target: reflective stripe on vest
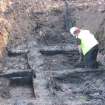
(88,41)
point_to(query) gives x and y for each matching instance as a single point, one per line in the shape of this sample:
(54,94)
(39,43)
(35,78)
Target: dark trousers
(90,58)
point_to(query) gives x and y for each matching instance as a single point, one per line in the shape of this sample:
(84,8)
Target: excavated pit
(57,81)
(18,76)
(74,86)
(17,84)
(58,60)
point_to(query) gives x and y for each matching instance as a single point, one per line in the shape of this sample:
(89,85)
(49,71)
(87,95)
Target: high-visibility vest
(88,41)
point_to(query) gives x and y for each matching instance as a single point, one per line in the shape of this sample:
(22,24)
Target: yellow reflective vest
(88,41)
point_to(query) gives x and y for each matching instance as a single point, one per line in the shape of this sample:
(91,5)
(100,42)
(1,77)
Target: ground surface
(39,24)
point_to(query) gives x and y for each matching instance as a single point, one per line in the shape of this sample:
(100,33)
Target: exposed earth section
(38,66)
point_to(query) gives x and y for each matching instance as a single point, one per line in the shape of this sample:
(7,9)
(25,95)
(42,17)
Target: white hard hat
(73,29)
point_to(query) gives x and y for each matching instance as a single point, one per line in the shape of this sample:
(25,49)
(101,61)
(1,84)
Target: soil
(36,25)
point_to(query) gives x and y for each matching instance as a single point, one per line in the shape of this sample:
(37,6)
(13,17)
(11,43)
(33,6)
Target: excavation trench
(60,58)
(56,79)
(17,84)
(19,78)
(73,85)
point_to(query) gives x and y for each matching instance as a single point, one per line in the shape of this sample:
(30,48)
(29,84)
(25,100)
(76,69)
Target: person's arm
(80,50)
(78,44)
